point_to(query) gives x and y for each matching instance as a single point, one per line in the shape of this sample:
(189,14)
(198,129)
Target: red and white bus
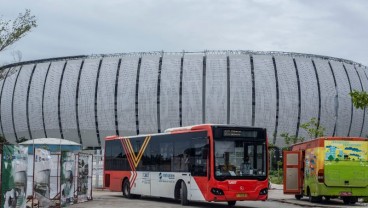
(220,163)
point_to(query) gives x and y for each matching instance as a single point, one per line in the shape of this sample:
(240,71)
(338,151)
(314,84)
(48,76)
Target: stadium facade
(86,98)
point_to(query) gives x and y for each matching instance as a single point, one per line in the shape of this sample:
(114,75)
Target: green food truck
(327,167)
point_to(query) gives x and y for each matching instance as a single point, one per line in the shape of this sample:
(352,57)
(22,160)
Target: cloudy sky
(336,28)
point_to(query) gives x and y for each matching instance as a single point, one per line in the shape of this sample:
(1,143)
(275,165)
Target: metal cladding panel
(240,90)
(288,97)
(35,100)
(68,114)
(364,78)
(106,97)
(50,106)
(147,94)
(308,92)
(216,89)
(126,96)
(6,104)
(328,95)
(86,102)
(20,102)
(1,86)
(344,100)
(169,92)
(265,93)
(192,97)
(356,123)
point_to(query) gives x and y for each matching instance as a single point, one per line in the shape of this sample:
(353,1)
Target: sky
(336,28)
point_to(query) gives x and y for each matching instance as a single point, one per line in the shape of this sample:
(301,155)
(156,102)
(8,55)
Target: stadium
(86,98)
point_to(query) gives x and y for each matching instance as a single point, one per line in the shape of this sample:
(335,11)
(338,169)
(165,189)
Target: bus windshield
(239,157)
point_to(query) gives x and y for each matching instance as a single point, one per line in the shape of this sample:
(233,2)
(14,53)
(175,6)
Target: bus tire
(231,203)
(184,194)
(126,189)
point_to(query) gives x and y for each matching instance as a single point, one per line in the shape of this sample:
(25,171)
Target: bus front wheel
(231,203)
(184,194)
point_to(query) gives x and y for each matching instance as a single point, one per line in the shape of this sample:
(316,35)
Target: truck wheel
(346,200)
(184,194)
(298,196)
(126,189)
(327,198)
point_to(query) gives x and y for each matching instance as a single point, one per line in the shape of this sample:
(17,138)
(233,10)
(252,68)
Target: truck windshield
(238,158)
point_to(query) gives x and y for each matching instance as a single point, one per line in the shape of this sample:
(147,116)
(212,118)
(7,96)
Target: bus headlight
(217,191)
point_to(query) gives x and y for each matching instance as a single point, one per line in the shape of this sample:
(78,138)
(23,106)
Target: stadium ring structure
(85,98)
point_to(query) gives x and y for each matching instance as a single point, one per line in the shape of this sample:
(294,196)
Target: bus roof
(183,129)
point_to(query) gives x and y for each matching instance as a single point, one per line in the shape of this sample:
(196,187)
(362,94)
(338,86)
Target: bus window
(197,157)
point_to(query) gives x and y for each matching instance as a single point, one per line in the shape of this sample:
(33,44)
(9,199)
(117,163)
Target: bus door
(199,168)
(292,174)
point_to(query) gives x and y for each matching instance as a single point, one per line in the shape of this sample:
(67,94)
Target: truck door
(292,174)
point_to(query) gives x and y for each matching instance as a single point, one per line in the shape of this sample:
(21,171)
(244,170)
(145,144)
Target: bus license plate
(241,195)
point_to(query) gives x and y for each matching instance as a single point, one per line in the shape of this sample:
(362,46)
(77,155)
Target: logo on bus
(232,182)
(166,177)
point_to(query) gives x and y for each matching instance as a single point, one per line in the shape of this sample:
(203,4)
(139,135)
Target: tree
(359,98)
(313,129)
(21,139)
(12,31)
(291,139)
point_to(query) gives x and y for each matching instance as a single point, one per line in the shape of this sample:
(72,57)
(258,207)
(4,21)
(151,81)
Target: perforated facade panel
(68,110)
(147,94)
(364,79)
(180,89)
(357,121)
(1,86)
(240,90)
(20,102)
(126,95)
(308,92)
(169,92)
(35,100)
(51,99)
(265,91)
(106,97)
(6,104)
(328,95)
(192,89)
(86,102)
(288,96)
(344,100)
(216,89)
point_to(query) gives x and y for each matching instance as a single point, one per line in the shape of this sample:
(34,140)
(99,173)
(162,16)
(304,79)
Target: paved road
(277,199)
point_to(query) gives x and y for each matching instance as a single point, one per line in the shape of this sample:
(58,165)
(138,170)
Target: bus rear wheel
(126,189)
(231,203)
(184,194)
